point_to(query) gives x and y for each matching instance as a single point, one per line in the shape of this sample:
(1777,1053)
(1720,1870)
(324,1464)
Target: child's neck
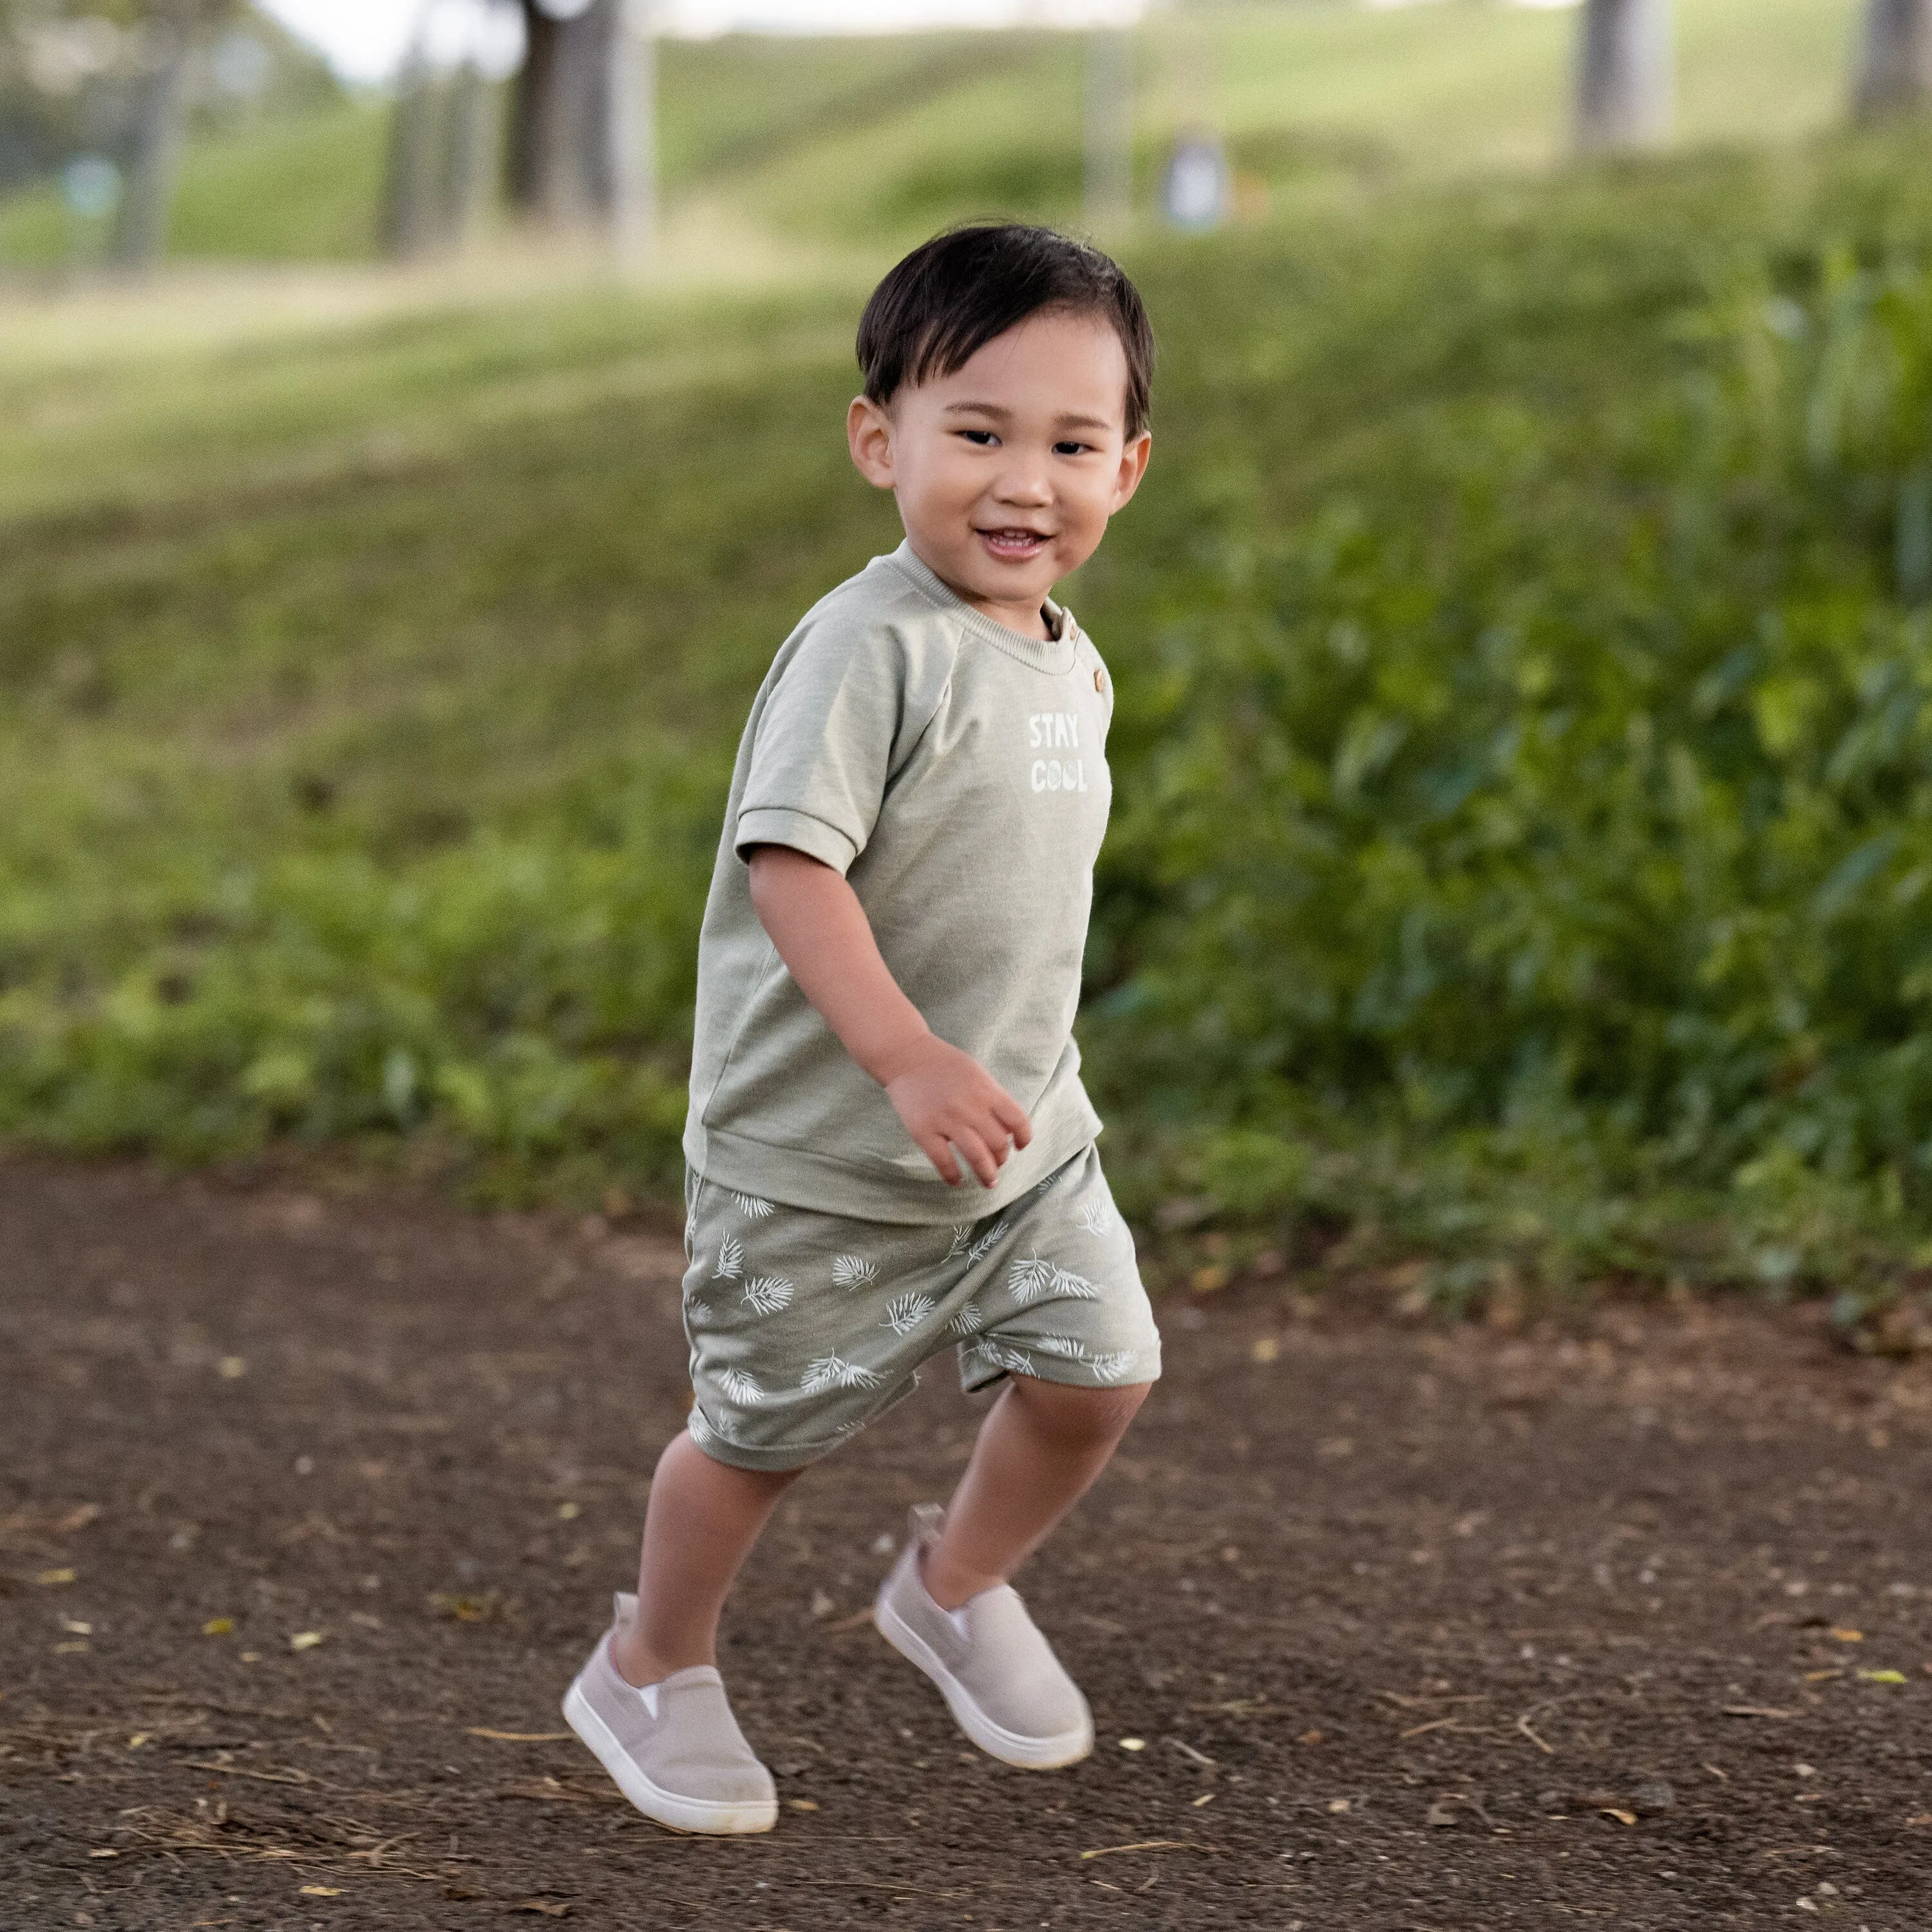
(1028,618)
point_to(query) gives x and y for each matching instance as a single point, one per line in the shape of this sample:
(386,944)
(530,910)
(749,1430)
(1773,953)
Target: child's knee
(1081,1417)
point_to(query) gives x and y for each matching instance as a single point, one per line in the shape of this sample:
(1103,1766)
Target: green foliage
(1562,802)
(1523,847)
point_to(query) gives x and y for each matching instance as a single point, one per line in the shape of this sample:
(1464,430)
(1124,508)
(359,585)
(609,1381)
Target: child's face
(1007,470)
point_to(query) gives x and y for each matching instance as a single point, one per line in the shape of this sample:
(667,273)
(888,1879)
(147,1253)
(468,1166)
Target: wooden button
(1099,683)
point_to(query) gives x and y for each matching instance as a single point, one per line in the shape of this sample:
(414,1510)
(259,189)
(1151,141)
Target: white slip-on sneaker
(674,1747)
(1006,1690)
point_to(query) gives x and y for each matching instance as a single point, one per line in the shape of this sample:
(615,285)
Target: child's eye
(980,439)
(1071,448)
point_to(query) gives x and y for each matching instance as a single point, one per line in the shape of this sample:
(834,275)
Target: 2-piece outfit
(954,773)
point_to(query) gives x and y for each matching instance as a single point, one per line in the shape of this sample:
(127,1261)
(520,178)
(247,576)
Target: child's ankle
(946,1587)
(636,1663)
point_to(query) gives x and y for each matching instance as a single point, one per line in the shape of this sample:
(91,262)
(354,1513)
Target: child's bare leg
(1038,1452)
(703,1519)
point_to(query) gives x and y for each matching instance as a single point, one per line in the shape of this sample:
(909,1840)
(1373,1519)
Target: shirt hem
(797,1177)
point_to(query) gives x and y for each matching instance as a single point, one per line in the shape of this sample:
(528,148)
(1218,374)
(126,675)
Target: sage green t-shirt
(955,772)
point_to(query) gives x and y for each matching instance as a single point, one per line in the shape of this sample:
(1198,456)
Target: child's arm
(945,1098)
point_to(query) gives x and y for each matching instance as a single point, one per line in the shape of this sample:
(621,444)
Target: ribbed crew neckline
(1054,654)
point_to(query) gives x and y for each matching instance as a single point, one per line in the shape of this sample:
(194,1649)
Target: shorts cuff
(738,1456)
(987,1367)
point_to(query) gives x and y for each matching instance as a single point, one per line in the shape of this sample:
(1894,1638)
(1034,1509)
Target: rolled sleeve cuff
(775,825)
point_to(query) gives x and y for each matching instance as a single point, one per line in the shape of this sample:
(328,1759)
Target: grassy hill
(1522,848)
(880,138)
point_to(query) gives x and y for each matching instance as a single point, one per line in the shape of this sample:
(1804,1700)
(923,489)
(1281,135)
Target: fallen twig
(1435,1724)
(259,1777)
(1523,1725)
(1149,1845)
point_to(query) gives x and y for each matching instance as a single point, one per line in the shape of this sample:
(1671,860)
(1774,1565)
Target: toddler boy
(888,1150)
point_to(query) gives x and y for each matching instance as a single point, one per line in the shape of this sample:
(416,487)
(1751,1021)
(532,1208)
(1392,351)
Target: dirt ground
(311,1504)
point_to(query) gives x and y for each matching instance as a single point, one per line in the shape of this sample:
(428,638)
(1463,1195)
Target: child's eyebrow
(1001,415)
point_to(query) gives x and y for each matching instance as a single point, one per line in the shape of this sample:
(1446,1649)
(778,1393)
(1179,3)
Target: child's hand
(947,1100)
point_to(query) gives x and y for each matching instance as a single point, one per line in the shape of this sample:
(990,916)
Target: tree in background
(114,85)
(443,152)
(167,30)
(1623,74)
(1895,74)
(410,226)
(1107,175)
(581,132)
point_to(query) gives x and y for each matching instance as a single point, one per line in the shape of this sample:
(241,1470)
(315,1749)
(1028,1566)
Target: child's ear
(868,435)
(1133,467)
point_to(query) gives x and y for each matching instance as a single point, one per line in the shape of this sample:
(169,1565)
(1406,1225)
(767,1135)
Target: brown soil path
(1628,1627)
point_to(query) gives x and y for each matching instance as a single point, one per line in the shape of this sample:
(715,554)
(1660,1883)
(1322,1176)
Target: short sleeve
(823,746)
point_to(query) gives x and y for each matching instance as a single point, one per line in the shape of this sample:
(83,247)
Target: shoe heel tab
(623,1607)
(926,1522)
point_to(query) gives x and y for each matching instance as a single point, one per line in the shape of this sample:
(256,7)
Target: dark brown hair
(953,294)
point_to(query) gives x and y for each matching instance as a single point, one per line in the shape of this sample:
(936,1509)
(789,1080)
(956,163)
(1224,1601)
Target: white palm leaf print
(904,1312)
(854,1271)
(1097,1218)
(739,1386)
(752,1208)
(1030,1279)
(969,1321)
(1065,1346)
(961,1236)
(835,1371)
(996,1355)
(1051,1181)
(766,1294)
(987,1242)
(1112,1366)
(730,1259)
(701,1430)
(1035,1276)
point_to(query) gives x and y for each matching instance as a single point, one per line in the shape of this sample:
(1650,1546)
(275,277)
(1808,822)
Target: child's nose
(1025,483)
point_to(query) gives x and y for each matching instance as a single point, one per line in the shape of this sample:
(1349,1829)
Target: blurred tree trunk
(1109,173)
(470,160)
(546,178)
(1895,75)
(410,213)
(141,233)
(1623,74)
(619,143)
(641,142)
(579,132)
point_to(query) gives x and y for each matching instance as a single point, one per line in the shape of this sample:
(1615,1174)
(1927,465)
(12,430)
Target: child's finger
(978,1155)
(1012,1116)
(938,1150)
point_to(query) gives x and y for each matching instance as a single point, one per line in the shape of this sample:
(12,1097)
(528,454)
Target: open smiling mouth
(1015,543)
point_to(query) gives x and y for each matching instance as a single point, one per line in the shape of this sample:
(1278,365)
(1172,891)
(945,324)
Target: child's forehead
(1046,355)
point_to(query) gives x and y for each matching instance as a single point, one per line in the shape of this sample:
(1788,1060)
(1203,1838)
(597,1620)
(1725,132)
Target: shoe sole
(995,1740)
(716,1817)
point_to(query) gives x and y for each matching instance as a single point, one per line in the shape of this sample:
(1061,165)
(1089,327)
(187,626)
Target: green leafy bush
(1580,824)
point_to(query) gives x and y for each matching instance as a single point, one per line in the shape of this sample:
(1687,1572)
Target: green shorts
(803,1326)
